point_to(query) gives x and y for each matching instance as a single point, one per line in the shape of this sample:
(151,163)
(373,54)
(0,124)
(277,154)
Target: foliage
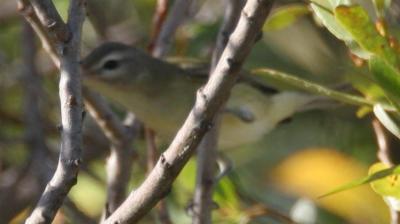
(305,48)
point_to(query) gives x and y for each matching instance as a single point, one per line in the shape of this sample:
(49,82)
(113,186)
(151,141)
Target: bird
(161,94)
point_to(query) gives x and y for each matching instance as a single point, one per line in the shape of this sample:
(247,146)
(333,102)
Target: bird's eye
(110,65)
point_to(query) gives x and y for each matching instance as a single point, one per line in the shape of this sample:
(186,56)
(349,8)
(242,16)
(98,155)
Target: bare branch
(158,21)
(66,38)
(35,138)
(176,16)
(120,160)
(261,210)
(14,196)
(207,152)
(51,21)
(231,17)
(159,17)
(96,18)
(119,163)
(25,8)
(208,103)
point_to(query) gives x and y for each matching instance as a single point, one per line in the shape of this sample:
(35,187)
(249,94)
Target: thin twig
(208,102)
(207,151)
(119,163)
(231,17)
(97,19)
(50,19)
(152,154)
(122,155)
(26,9)
(158,21)
(66,38)
(159,17)
(34,137)
(177,15)
(260,210)
(12,199)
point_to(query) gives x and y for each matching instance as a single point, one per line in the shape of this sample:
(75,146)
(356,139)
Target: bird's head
(112,62)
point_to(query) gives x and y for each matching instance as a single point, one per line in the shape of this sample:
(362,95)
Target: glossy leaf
(388,186)
(368,179)
(357,22)
(316,88)
(387,77)
(324,13)
(386,121)
(285,16)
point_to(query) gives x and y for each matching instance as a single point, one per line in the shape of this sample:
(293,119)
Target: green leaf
(380,6)
(226,195)
(387,76)
(285,16)
(357,22)
(324,13)
(386,121)
(389,186)
(316,88)
(368,179)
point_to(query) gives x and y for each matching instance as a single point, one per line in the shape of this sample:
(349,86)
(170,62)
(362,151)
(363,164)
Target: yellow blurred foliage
(313,172)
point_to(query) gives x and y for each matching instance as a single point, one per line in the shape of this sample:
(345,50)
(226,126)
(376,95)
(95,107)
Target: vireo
(161,94)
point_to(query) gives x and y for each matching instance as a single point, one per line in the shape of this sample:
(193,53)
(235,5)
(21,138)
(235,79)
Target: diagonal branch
(207,152)
(120,161)
(66,38)
(51,21)
(26,9)
(178,13)
(208,103)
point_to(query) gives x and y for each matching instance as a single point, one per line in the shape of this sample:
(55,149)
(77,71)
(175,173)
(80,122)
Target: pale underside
(166,116)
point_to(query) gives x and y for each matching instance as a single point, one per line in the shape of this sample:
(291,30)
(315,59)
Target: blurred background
(275,180)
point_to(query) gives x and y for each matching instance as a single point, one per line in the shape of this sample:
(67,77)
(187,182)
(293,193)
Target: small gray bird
(161,94)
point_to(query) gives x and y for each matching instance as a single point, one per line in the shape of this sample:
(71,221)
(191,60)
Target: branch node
(208,125)
(63,50)
(225,36)
(51,24)
(59,128)
(83,115)
(21,6)
(250,19)
(201,99)
(73,162)
(259,36)
(233,64)
(164,162)
(72,101)
(25,9)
